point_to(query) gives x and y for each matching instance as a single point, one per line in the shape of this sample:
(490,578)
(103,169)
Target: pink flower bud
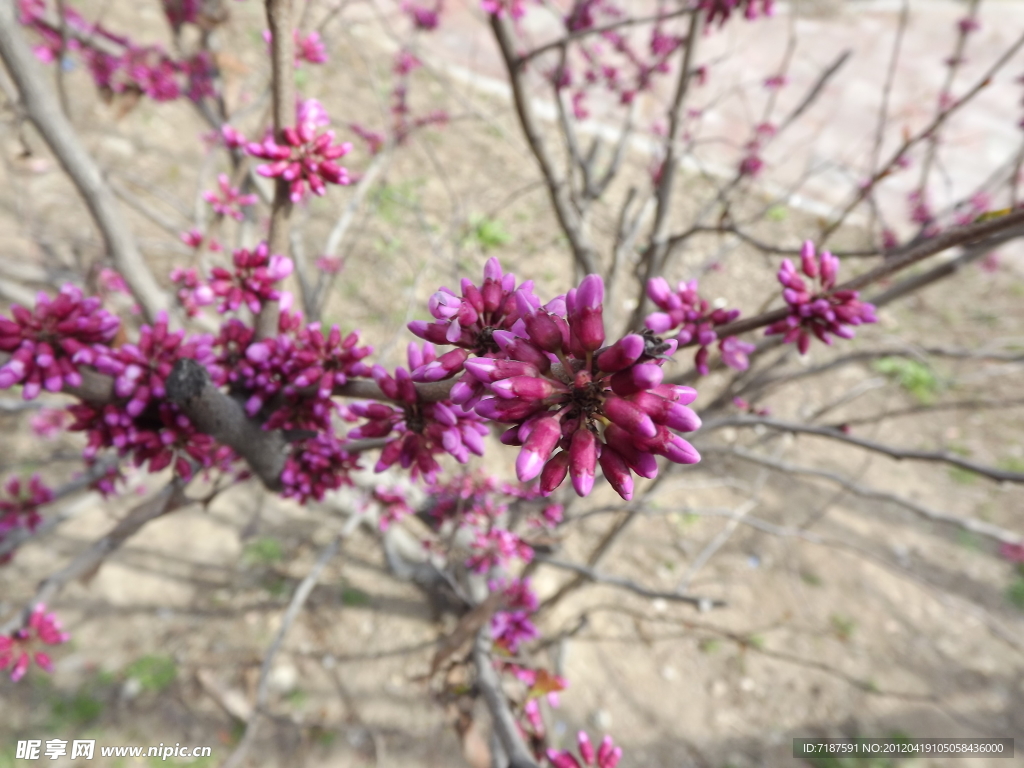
(629,417)
(583,460)
(554,472)
(538,446)
(621,354)
(616,472)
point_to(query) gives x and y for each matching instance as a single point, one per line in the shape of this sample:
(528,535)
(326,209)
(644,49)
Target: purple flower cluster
(825,312)
(595,405)
(309,48)
(607,754)
(48,342)
(424,429)
(229,201)
(304,368)
(685,309)
(19,649)
(139,421)
(495,548)
(252,282)
(136,69)
(306,158)
(19,509)
(511,626)
(722,10)
(317,465)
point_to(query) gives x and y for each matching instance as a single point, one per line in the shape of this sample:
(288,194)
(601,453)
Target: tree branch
(895,453)
(44,110)
(223,418)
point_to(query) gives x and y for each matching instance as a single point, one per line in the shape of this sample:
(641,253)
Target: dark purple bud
(582,460)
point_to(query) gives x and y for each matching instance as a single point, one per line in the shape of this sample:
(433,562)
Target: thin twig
(299,597)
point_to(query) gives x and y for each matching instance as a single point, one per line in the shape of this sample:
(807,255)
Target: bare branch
(895,453)
(282,54)
(970,524)
(224,419)
(703,603)
(558,188)
(503,722)
(299,597)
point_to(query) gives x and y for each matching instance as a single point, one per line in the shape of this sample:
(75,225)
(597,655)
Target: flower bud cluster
(48,342)
(821,313)
(252,282)
(511,627)
(229,202)
(722,10)
(139,421)
(424,429)
(19,509)
(19,649)
(595,405)
(607,754)
(305,158)
(303,367)
(135,69)
(315,466)
(685,309)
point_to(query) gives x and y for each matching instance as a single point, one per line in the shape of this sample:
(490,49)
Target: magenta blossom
(20,509)
(306,158)
(229,201)
(607,754)
(496,548)
(304,367)
(19,649)
(424,429)
(48,423)
(824,312)
(510,629)
(685,309)
(48,342)
(393,505)
(252,283)
(315,466)
(600,404)
(1012,552)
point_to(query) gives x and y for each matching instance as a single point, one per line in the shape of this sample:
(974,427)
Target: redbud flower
(606,756)
(601,405)
(306,158)
(510,629)
(1012,552)
(496,548)
(229,202)
(19,649)
(515,8)
(48,423)
(19,510)
(305,369)
(48,342)
(470,319)
(393,505)
(194,239)
(424,429)
(824,312)
(723,9)
(317,465)
(253,281)
(423,18)
(684,308)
